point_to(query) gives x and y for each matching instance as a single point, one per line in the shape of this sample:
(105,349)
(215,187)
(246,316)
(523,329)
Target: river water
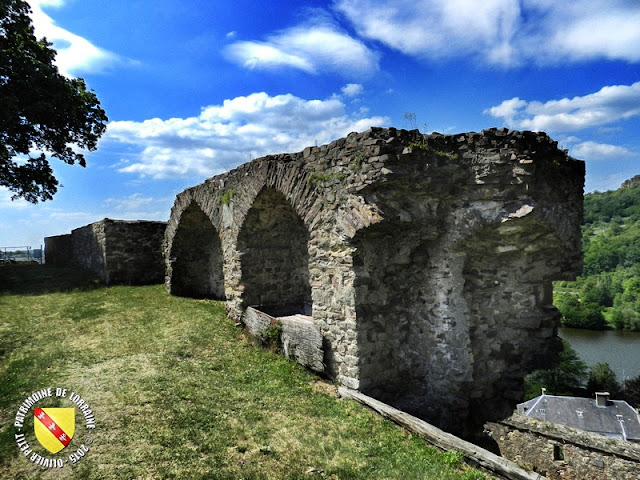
(621,350)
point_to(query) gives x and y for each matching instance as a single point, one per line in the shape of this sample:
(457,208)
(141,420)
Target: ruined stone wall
(560,452)
(133,252)
(58,249)
(426,261)
(119,252)
(88,248)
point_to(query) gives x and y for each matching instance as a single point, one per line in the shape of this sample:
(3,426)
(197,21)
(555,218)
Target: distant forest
(607,294)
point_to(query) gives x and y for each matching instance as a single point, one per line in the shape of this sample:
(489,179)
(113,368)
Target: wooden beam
(442,439)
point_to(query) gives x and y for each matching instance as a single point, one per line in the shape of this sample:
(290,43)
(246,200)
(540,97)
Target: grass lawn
(179,392)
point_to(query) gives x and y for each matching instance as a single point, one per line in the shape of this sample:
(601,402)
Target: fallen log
(442,439)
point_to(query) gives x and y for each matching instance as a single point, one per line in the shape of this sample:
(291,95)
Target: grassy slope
(178,392)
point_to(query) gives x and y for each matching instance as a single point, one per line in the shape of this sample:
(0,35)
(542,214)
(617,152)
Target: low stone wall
(118,251)
(560,452)
(58,249)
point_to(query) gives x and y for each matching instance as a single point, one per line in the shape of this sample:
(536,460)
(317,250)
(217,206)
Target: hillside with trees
(607,294)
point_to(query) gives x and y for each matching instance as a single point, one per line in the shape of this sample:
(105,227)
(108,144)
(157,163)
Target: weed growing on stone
(227,195)
(358,158)
(317,179)
(273,335)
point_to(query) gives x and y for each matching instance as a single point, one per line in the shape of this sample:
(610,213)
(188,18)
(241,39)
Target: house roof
(615,419)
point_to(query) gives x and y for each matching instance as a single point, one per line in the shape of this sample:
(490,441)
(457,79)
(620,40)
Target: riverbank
(620,349)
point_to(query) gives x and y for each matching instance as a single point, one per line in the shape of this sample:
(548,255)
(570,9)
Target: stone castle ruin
(116,251)
(424,262)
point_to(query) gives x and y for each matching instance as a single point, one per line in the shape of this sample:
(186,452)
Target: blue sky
(193,88)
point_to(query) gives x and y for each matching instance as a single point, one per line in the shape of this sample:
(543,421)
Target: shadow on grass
(35,279)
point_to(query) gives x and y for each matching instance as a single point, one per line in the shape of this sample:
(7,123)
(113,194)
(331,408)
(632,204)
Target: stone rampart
(119,252)
(425,261)
(560,452)
(58,249)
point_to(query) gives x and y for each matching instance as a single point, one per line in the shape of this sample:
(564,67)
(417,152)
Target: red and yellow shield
(54,427)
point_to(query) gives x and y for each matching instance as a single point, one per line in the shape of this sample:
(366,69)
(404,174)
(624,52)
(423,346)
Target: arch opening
(392,300)
(273,245)
(196,258)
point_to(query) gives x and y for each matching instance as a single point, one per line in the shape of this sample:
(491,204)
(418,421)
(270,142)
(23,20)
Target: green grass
(179,392)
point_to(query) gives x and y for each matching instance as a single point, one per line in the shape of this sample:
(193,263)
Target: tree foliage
(42,113)
(603,379)
(568,378)
(632,392)
(607,294)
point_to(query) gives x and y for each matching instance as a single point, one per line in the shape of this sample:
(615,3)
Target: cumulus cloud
(224,136)
(585,29)
(312,48)
(608,105)
(75,54)
(352,89)
(501,32)
(436,29)
(599,151)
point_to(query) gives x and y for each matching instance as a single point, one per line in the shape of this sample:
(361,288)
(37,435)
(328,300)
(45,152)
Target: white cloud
(586,29)
(311,48)
(501,32)
(224,136)
(352,89)
(436,29)
(599,151)
(138,206)
(75,54)
(608,105)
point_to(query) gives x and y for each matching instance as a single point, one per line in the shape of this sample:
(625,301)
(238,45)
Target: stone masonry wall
(119,252)
(58,249)
(88,249)
(426,261)
(560,452)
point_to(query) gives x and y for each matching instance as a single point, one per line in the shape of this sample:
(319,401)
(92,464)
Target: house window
(620,418)
(543,411)
(558,452)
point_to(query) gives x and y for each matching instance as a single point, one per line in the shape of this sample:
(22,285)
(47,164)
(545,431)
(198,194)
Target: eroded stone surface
(425,261)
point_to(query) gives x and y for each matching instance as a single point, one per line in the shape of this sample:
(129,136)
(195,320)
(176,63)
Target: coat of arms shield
(54,427)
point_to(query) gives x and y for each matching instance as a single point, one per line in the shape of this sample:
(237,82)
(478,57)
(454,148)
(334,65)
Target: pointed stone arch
(196,258)
(273,245)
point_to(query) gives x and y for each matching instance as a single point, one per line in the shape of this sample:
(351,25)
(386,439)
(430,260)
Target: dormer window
(580,413)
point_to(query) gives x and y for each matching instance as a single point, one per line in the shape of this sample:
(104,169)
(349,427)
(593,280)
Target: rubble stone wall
(560,452)
(119,252)
(58,249)
(425,261)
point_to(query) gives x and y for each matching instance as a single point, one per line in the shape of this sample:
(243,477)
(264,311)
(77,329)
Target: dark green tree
(41,111)
(603,379)
(568,378)
(631,392)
